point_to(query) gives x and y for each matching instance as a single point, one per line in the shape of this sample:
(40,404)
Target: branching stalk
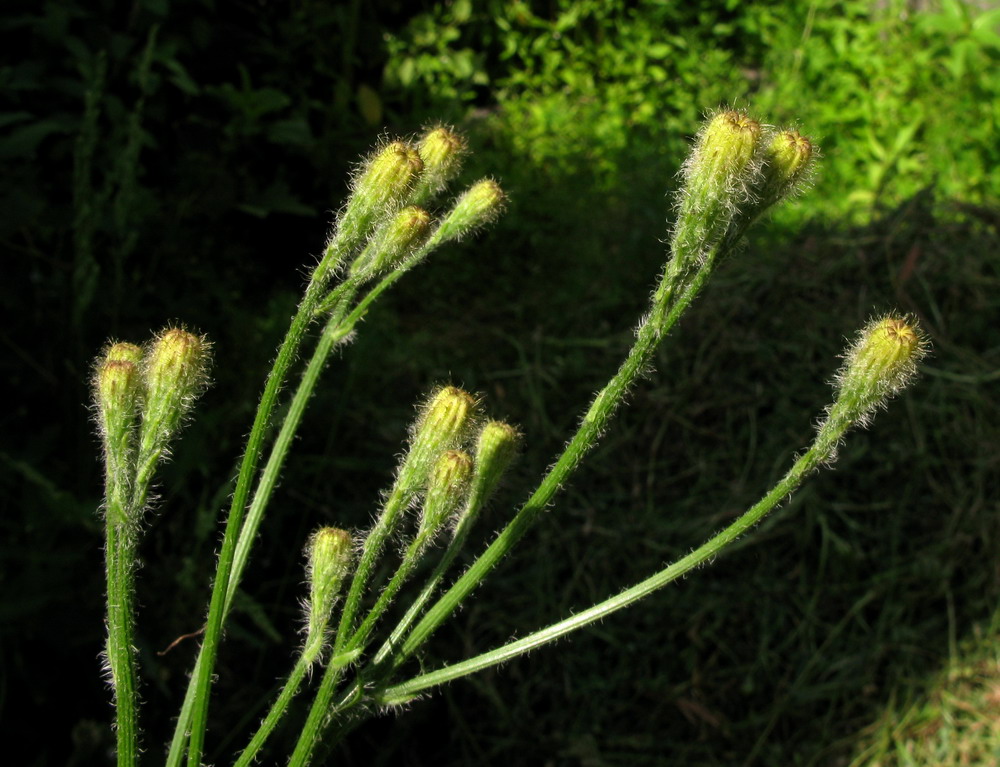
(813,458)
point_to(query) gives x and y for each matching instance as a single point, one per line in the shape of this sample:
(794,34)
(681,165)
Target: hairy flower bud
(396,241)
(446,490)
(478,205)
(175,373)
(329,556)
(441,426)
(383,183)
(116,384)
(787,161)
(496,447)
(441,150)
(880,363)
(718,177)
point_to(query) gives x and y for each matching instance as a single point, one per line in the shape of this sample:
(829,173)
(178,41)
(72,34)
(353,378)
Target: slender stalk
(276,713)
(220,588)
(454,547)
(318,714)
(337,328)
(121,659)
(664,315)
(390,644)
(654,327)
(334,332)
(409,561)
(119,557)
(819,452)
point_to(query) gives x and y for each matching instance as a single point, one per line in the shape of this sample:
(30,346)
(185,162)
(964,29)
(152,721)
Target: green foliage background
(180,160)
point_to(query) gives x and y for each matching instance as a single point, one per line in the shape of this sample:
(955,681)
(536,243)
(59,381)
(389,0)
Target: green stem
(121,658)
(388,647)
(318,715)
(819,452)
(664,315)
(334,332)
(234,523)
(119,558)
(409,561)
(656,325)
(277,711)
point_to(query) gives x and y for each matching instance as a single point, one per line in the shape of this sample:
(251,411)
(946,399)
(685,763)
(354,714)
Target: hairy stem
(119,555)
(818,453)
(287,354)
(336,329)
(318,714)
(664,315)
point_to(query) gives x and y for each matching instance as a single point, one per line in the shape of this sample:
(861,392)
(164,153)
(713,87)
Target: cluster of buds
(454,483)
(141,397)
(736,171)
(385,224)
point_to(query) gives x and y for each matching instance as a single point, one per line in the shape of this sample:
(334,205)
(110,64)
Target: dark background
(180,162)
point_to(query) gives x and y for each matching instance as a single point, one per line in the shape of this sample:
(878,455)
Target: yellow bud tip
(414,218)
(452,470)
(330,548)
(790,152)
(449,408)
(116,380)
(487,194)
(726,148)
(124,352)
(396,162)
(440,147)
(177,353)
(893,342)
(738,121)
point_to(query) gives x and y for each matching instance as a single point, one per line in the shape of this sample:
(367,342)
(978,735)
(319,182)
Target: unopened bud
(175,374)
(446,488)
(330,554)
(116,390)
(442,426)
(441,150)
(881,362)
(726,149)
(398,240)
(496,447)
(124,352)
(476,207)
(384,182)
(718,176)
(787,162)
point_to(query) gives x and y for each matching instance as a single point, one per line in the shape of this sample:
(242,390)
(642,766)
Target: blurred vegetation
(179,159)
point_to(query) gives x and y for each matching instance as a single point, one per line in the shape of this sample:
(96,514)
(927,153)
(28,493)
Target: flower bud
(175,374)
(446,488)
(787,162)
(441,150)
(879,364)
(117,381)
(496,447)
(396,241)
(124,352)
(718,176)
(383,183)
(329,556)
(116,392)
(441,426)
(726,150)
(478,205)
